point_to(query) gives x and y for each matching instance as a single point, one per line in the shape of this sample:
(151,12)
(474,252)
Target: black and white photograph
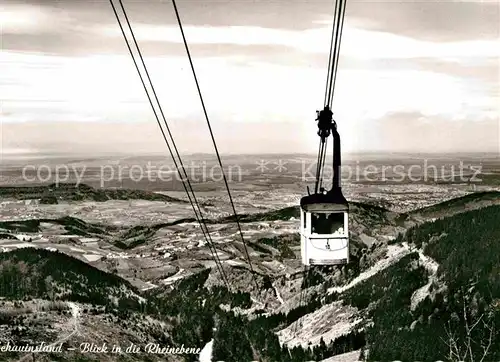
(249,180)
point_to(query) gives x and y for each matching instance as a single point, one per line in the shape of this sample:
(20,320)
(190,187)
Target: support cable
(338,52)
(338,24)
(200,221)
(213,141)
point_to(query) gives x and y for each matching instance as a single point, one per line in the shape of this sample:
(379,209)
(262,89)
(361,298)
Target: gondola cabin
(324,230)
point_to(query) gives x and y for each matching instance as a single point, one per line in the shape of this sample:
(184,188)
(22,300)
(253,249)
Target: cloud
(409,131)
(22,19)
(263,66)
(429,20)
(356,42)
(107,87)
(25,19)
(74,26)
(263,13)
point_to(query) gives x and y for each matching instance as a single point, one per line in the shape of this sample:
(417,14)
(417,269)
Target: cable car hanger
(326,123)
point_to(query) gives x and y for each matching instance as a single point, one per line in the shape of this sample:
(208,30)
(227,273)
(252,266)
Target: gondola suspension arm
(326,123)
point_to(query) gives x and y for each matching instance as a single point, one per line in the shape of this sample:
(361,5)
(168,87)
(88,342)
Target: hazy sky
(413,75)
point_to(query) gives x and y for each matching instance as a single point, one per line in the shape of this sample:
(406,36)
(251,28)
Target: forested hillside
(52,194)
(461,314)
(410,310)
(30,273)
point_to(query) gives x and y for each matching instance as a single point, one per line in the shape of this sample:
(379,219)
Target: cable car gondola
(324,215)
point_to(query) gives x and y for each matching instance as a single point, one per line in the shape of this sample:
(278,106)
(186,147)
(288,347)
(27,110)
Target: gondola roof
(333,200)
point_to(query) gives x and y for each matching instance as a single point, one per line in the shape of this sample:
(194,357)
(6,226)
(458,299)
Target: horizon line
(59,154)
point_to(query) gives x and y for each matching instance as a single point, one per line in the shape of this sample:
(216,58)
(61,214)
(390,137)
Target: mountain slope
(466,290)
(72,225)
(471,201)
(30,273)
(456,267)
(51,297)
(393,302)
(79,192)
